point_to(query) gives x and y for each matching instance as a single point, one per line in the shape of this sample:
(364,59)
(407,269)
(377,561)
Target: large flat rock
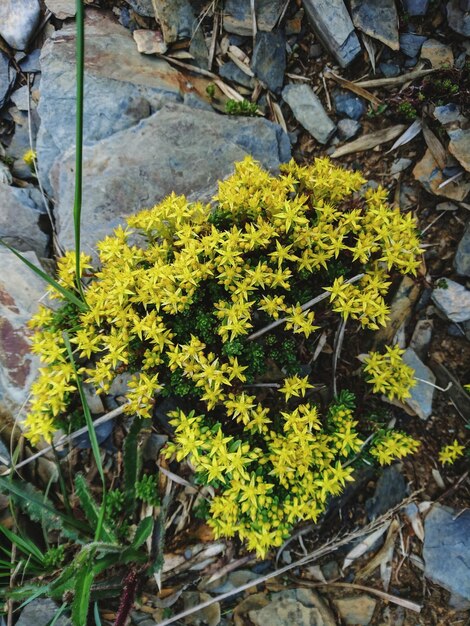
(177,149)
(122,87)
(20,217)
(20,291)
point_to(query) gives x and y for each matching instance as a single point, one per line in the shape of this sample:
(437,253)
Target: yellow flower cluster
(389,374)
(450,453)
(174,298)
(393,445)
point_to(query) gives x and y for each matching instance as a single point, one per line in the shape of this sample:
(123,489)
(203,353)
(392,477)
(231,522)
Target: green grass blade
(132,463)
(81,601)
(96,614)
(27,547)
(143,532)
(77,204)
(68,295)
(60,612)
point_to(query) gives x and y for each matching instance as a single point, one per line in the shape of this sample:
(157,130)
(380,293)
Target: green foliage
(243,107)
(407,110)
(146,489)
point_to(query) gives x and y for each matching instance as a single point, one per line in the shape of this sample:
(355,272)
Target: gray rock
(331,22)
(356,610)
(149,41)
(428,173)
(308,110)
(121,87)
(20,291)
(142,7)
(389,491)
(446,549)
(410,44)
(20,97)
(378,19)
(19,219)
(30,64)
(348,129)
(315,51)
(422,393)
(269,59)
(437,53)
(7,78)
(458,18)
(448,113)
(5,175)
(446,206)
(349,105)
(176,149)
(452,299)
(301,607)
(416,8)
(232,72)
(421,338)
(40,612)
(400,165)
(462,256)
(18,21)
(62,9)
(239,20)
(459,146)
(389,69)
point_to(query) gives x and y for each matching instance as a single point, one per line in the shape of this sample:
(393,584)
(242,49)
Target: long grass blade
(77,204)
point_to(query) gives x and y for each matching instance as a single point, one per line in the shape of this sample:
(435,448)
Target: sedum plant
(197,302)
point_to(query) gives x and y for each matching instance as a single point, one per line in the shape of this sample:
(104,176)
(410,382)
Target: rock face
(186,151)
(446,549)
(309,111)
(421,394)
(390,491)
(269,59)
(356,610)
(378,19)
(40,613)
(121,87)
(458,18)
(410,44)
(462,256)
(19,219)
(437,53)
(331,22)
(7,77)
(18,20)
(142,7)
(453,300)
(20,290)
(62,9)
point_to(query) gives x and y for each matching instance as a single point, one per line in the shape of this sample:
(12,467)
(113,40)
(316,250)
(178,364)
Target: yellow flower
(450,453)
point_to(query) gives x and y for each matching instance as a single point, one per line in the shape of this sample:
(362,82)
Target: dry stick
(304,307)
(66,438)
(397,80)
(338,344)
(329,547)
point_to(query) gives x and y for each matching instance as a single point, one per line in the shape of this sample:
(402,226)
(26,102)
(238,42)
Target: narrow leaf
(81,602)
(143,532)
(132,463)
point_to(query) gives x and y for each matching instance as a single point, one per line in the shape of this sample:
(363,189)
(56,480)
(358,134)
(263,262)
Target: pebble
(448,113)
(421,338)
(427,172)
(308,110)
(349,105)
(437,53)
(41,612)
(389,70)
(356,610)
(18,21)
(462,256)
(446,206)
(315,51)
(389,491)
(348,128)
(30,63)
(149,41)
(62,9)
(458,18)
(459,146)
(293,606)
(378,19)
(453,299)
(422,393)
(446,548)
(232,72)
(410,44)
(400,165)
(142,7)
(416,8)
(269,59)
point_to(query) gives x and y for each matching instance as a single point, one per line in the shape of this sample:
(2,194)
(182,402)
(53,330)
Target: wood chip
(363,546)
(354,87)
(366,142)
(409,134)
(435,146)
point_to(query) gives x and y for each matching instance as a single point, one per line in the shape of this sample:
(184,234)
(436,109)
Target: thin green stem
(77,205)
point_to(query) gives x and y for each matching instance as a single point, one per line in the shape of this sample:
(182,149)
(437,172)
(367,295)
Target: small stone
(462,256)
(332,24)
(293,606)
(437,53)
(142,7)
(400,165)
(238,18)
(459,146)
(20,97)
(378,19)
(19,219)
(349,105)
(458,18)
(315,51)
(5,175)
(421,338)
(62,9)
(18,21)
(427,172)
(153,445)
(446,206)
(269,59)
(348,129)
(149,41)
(389,491)
(410,44)
(41,612)
(232,72)
(389,70)
(448,113)
(30,64)
(294,25)
(446,548)
(7,78)
(422,393)
(452,299)
(356,610)
(308,110)
(415,8)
